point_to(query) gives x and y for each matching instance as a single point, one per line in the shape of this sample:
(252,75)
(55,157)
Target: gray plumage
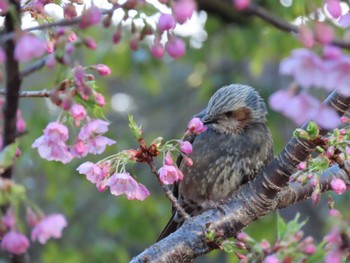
(235,147)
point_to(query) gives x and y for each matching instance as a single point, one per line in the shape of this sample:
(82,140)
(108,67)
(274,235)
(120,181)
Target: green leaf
(313,130)
(136,130)
(281,226)
(7,155)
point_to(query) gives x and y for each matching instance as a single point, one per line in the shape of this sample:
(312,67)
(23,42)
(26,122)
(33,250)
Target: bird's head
(233,107)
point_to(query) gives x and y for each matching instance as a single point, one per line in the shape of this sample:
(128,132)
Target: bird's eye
(230,114)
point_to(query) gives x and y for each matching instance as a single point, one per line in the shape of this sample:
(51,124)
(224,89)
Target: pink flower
(334,256)
(50,226)
(15,243)
(168,160)
(334,8)
(183,10)
(334,212)
(271,259)
(331,52)
(306,68)
(90,43)
(92,171)
(338,185)
(50,47)
(338,75)
(52,144)
(79,149)
(302,166)
(9,219)
(69,11)
(309,249)
(28,47)
(97,126)
(99,99)
(175,47)
(78,113)
(90,17)
(306,36)
(324,33)
(196,126)
(3,6)
(344,20)
(31,217)
(103,70)
(166,22)
(168,174)
(326,117)
(185,147)
(72,37)
(123,183)
(241,4)
(280,99)
(334,237)
(157,49)
(20,124)
(91,132)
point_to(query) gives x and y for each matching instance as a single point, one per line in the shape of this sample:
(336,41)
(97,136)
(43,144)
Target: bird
(234,148)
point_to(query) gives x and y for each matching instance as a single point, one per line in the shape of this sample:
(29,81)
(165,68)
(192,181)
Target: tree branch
(251,202)
(30,94)
(38,64)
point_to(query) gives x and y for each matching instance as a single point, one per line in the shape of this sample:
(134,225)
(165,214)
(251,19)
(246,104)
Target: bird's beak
(207,119)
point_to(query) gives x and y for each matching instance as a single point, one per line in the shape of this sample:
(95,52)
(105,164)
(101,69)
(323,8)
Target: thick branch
(250,203)
(13,81)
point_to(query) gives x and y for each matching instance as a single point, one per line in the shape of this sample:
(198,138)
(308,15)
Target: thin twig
(284,25)
(169,194)
(60,23)
(30,94)
(33,67)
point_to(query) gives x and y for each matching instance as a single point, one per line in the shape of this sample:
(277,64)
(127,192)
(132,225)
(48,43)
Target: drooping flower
(99,99)
(15,242)
(196,126)
(28,47)
(103,70)
(334,8)
(168,160)
(185,147)
(78,113)
(50,226)
(241,4)
(338,185)
(323,33)
(333,256)
(9,219)
(52,144)
(169,174)
(157,49)
(175,47)
(123,183)
(90,17)
(92,171)
(166,22)
(183,10)
(95,126)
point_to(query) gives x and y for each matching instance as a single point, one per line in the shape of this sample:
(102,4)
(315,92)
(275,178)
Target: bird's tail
(171,227)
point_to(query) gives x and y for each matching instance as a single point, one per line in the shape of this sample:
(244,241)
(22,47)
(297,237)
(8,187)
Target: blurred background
(227,47)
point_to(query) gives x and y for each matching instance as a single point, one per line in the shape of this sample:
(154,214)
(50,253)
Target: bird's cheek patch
(243,114)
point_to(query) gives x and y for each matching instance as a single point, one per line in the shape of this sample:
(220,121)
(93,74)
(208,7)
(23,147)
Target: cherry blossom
(90,17)
(15,242)
(165,22)
(52,144)
(183,10)
(103,70)
(123,183)
(175,47)
(196,126)
(50,226)
(92,171)
(185,147)
(28,47)
(169,174)
(338,186)
(334,8)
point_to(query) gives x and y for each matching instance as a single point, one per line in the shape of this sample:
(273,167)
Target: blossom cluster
(336,149)
(43,227)
(111,171)
(291,246)
(329,71)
